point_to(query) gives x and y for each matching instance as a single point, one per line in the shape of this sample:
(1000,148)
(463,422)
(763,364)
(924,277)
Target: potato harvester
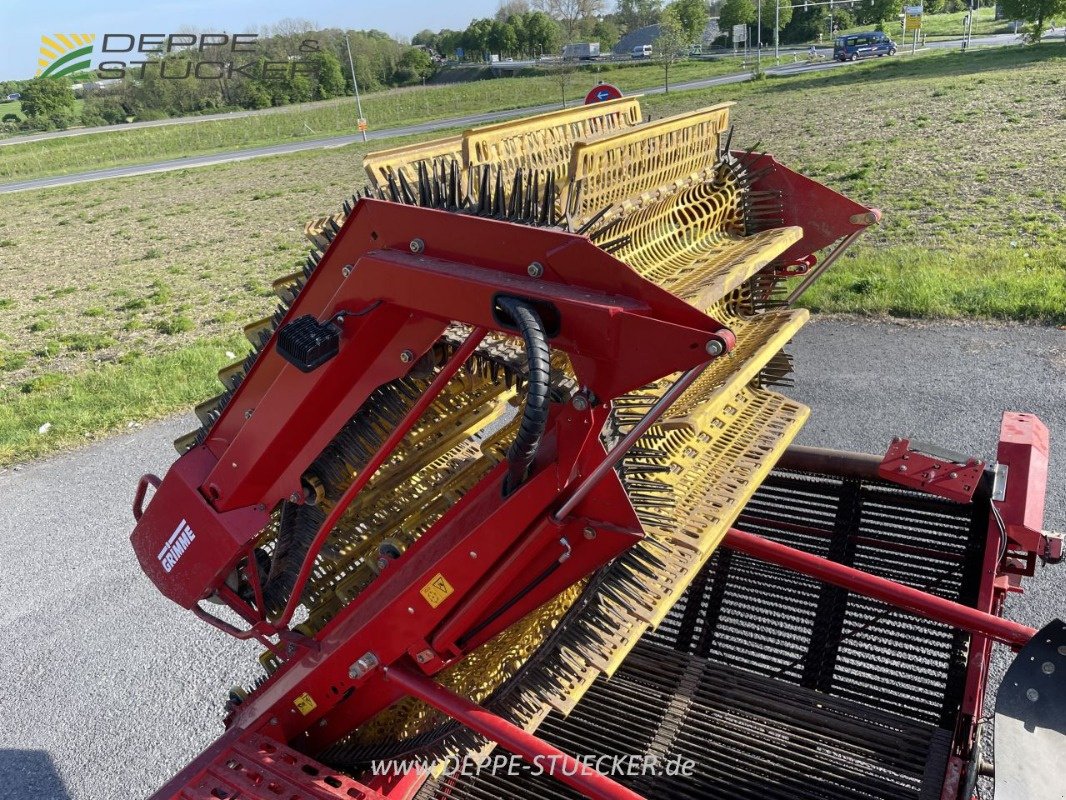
(507,472)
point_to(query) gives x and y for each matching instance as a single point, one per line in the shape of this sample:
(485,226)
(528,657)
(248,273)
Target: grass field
(383,110)
(110,289)
(947,26)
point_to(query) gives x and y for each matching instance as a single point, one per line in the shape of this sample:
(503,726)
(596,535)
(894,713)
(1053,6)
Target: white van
(642,51)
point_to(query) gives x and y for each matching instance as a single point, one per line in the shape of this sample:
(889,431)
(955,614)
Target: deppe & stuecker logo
(228,56)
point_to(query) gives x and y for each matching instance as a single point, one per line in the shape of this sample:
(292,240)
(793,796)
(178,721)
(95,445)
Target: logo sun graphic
(64,54)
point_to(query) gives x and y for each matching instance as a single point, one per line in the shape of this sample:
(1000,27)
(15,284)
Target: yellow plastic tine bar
(625,164)
(383,163)
(545,141)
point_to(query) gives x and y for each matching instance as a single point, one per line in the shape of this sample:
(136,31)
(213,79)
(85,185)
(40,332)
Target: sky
(22,23)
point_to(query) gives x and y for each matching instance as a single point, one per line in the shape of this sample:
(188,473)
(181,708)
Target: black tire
(892,52)
(854,57)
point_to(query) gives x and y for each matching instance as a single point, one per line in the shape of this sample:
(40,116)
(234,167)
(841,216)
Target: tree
(326,68)
(476,37)
(736,12)
(414,66)
(428,38)
(881,10)
(1034,11)
(607,32)
(692,17)
(570,12)
(48,99)
(635,14)
(511,8)
(769,9)
(671,42)
(542,33)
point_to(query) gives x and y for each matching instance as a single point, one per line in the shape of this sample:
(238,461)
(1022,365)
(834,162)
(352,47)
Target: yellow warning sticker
(437,590)
(305,704)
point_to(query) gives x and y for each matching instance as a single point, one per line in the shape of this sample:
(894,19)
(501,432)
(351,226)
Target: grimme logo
(227,56)
(64,54)
(176,546)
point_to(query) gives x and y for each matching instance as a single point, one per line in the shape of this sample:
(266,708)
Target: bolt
(294,497)
(895,440)
(273,720)
(1062,649)
(364,664)
(410,610)
(902,467)
(406,356)
(589,533)
(417,245)
(714,347)
(473,553)
(580,402)
(424,656)
(346,270)
(234,465)
(1032,694)
(1047,667)
(322,722)
(535,270)
(382,563)
(953,475)
(248,413)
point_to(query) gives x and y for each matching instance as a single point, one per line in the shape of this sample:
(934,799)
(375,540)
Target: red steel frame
(620,332)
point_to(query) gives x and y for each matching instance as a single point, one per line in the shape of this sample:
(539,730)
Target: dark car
(863,45)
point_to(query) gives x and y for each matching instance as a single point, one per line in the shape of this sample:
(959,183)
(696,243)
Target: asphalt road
(108,688)
(111,173)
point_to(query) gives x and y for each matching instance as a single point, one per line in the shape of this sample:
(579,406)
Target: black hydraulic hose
(535,413)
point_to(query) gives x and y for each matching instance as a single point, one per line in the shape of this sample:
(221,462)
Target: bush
(104,107)
(149,114)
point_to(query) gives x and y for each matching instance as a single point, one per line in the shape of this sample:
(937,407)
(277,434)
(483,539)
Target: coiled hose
(523,449)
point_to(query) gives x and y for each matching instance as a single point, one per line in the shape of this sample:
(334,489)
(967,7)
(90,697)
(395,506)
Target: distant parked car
(642,51)
(13,96)
(863,45)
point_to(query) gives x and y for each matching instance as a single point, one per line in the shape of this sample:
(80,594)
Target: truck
(584,51)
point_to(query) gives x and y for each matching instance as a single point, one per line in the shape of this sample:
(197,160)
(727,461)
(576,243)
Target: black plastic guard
(1031,720)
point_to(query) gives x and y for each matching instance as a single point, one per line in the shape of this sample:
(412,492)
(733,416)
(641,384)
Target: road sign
(459,52)
(605,91)
(361,123)
(912,20)
(740,33)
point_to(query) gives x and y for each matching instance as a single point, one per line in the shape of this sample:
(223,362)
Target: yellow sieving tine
(545,141)
(608,169)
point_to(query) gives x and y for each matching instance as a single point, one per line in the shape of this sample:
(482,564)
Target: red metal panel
(620,330)
(183,545)
(824,215)
(247,766)
(907,465)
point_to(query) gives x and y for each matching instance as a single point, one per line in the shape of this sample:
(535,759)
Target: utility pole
(777,32)
(355,83)
(758,40)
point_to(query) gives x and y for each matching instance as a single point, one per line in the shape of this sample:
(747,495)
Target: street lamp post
(758,40)
(777,32)
(355,83)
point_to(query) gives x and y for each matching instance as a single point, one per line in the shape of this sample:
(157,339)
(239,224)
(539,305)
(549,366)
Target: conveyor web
(778,686)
